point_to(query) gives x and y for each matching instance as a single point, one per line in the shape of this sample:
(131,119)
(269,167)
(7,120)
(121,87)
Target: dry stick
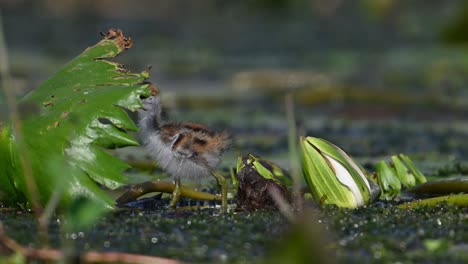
(165,187)
(7,86)
(90,256)
(8,242)
(116,257)
(293,155)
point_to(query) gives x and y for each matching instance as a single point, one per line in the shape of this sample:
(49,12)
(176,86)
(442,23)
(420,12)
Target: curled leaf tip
(118,37)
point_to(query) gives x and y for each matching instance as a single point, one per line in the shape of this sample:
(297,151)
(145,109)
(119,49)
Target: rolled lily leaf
(418,176)
(440,187)
(401,172)
(455,199)
(332,176)
(387,181)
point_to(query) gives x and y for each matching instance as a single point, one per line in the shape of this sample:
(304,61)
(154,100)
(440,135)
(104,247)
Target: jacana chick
(184,150)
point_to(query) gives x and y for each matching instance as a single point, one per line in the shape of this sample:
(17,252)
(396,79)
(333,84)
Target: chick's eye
(199,141)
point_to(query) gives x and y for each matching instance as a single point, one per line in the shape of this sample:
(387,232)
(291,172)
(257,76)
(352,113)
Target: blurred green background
(374,76)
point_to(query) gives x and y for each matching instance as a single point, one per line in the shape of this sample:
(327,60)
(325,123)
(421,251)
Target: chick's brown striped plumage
(184,150)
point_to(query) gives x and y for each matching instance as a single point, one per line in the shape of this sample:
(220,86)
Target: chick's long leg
(222,185)
(175,194)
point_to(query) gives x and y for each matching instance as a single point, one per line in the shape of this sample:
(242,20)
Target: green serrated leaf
(80,112)
(109,136)
(120,119)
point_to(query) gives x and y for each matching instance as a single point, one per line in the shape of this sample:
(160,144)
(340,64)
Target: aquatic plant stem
(222,185)
(456,199)
(51,206)
(165,187)
(7,86)
(283,206)
(175,194)
(293,152)
(234,180)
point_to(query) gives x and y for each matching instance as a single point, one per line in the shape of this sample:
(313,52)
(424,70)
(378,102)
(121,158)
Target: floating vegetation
(401,173)
(257,179)
(332,176)
(440,187)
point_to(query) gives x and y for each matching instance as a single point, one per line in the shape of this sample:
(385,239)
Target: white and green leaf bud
(332,176)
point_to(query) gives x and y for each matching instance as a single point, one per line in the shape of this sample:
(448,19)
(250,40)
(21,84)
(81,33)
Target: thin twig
(7,86)
(51,206)
(86,257)
(8,242)
(284,207)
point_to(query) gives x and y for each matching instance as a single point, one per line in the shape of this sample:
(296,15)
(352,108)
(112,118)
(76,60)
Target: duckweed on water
(382,232)
(376,233)
(457,168)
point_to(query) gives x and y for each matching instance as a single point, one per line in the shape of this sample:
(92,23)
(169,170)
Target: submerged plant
(332,176)
(389,184)
(401,173)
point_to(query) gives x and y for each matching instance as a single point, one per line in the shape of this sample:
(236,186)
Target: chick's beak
(154,90)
